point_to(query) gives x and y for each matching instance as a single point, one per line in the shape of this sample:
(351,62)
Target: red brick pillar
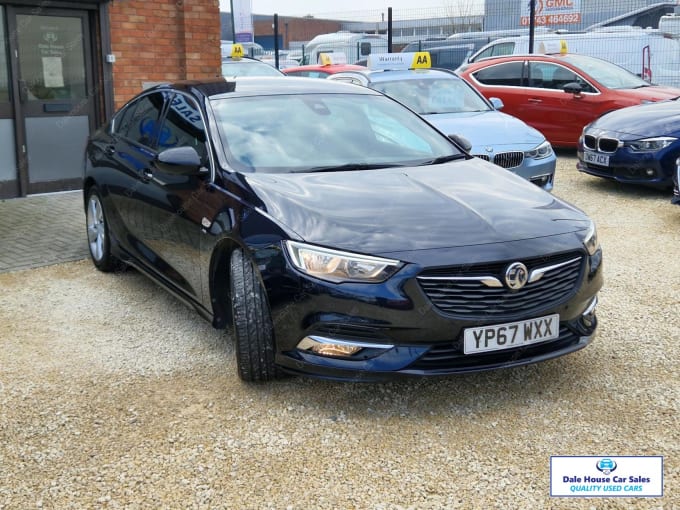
(162,40)
(201,39)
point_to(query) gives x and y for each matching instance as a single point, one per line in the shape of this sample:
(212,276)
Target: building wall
(296,29)
(501,14)
(163,40)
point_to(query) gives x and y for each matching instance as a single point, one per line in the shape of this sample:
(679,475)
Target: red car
(560,94)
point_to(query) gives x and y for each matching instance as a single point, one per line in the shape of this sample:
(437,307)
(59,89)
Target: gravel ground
(114,395)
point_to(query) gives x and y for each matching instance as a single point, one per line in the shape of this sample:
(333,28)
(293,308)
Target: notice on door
(53,72)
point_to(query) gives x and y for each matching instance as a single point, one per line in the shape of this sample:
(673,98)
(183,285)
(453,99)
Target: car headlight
(651,144)
(338,266)
(591,242)
(542,151)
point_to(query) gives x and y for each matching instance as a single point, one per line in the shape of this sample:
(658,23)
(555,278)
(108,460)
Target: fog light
(650,172)
(336,348)
(588,315)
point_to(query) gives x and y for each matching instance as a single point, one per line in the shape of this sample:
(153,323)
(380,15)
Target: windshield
(248,68)
(319,132)
(608,74)
(431,96)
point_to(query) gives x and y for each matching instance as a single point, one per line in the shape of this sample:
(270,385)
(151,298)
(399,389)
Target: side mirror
(462,142)
(497,103)
(179,161)
(573,88)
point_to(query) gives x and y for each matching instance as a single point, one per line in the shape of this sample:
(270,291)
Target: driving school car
(456,108)
(336,232)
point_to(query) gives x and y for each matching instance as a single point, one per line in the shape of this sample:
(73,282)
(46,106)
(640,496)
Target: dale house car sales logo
(606,476)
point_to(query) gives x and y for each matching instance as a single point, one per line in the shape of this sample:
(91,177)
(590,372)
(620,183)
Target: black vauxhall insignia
(339,233)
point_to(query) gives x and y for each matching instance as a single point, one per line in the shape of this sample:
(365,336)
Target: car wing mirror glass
(497,103)
(179,161)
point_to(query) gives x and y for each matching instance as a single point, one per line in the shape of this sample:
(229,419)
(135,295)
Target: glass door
(54,96)
(9,185)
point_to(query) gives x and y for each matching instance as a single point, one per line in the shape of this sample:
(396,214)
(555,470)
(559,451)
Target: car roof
(378,75)
(331,68)
(246,86)
(548,57)
(229,60)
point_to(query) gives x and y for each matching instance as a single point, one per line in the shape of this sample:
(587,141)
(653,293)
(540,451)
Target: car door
(559,115)
(129,152)
(505,81)
(173,206)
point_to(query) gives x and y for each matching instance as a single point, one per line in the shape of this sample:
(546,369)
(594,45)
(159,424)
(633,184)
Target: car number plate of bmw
(511,334)
(596,158)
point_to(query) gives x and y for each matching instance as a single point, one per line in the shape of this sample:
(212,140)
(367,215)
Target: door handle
(535,100)
(147,175)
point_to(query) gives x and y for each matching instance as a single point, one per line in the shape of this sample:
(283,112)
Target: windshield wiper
(442,159)
(349,166)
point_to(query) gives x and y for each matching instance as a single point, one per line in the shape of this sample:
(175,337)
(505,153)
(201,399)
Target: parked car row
(561,96)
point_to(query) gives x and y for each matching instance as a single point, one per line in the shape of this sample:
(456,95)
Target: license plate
(511,334)
(596,158)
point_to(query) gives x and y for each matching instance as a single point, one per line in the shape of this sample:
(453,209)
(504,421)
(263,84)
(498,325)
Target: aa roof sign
(394,61)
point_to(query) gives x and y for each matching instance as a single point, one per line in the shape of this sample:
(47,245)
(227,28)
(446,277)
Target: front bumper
(538,171)
(403,333)
(650,169)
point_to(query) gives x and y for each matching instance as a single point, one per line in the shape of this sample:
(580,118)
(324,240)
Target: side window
(183,127)
(139,122)
(554,76)
(497,50)
(503,49)
(539,74)
(508,74)
(449,58)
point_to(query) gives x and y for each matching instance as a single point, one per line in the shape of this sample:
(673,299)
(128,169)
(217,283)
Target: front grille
(504,159)
(603,144)
(450,356)
(471,298)
(509,159)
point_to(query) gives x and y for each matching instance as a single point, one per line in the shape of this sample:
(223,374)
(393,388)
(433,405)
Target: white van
(355,46)
(652,54)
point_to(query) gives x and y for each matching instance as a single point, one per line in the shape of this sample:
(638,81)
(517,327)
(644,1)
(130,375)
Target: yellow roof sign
(237,51)
(327,59)
(395,61)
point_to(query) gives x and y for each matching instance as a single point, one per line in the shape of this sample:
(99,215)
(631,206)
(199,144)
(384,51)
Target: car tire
(98,240)
(253,327)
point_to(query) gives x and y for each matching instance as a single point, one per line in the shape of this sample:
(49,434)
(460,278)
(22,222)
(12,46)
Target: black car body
(362,270)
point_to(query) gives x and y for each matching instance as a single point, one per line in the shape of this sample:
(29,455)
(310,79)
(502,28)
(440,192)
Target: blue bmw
(336,232)
(456,108)
(636,145)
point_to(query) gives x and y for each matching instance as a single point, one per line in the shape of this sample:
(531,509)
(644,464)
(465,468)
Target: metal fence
(458,29)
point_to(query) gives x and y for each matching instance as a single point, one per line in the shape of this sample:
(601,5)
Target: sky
(315,7)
